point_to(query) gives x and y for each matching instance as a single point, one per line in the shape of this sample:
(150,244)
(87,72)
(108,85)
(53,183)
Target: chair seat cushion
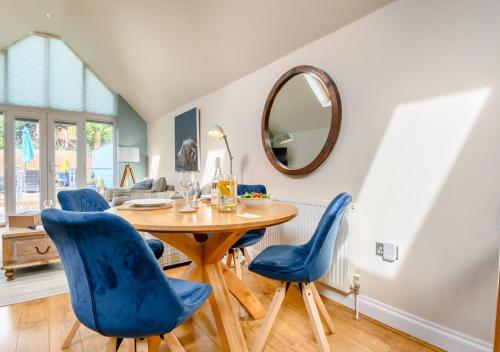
(156,246)
(249,239)
(193,295)
(282,262)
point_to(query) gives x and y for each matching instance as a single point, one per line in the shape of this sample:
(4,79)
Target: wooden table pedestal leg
(243,294)
(227,322)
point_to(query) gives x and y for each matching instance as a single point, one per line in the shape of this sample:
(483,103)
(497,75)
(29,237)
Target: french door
(45,152)
(25,154)
(66,154)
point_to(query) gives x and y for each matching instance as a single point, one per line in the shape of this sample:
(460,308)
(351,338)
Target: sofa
(148,188)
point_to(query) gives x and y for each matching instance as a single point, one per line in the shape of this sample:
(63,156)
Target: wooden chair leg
(173,343)
(148,344)
(319,332)
(271,315)
(111,345)
(71,334)
(330,327)
(229,258)
(237,263)
(237,269)
(248,258)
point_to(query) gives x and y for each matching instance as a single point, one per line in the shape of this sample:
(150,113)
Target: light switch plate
(390,252)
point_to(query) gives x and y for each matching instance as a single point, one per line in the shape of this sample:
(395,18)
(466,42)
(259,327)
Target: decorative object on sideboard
(128,155)
(25,220)
(301,120)
(187,139)
(216,131)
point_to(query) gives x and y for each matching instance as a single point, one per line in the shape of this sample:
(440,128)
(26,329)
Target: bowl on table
(256,202)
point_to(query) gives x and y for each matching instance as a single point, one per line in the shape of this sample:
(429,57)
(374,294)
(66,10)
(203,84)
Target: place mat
(131,207)
(249,216)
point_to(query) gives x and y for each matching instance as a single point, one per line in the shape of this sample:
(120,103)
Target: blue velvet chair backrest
(113,277)
(322,243)
(83,200)
(242,189)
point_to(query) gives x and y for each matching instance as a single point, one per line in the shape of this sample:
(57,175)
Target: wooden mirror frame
(335,123)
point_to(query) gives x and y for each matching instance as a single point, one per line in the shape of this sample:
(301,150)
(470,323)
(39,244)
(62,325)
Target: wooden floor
(41,326)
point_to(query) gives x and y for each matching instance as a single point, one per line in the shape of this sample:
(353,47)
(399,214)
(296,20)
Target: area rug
(33,283)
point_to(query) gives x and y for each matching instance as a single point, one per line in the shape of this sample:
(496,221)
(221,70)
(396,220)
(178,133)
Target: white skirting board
(425,330)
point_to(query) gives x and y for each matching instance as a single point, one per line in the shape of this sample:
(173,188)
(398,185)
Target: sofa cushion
(146,184)
(159,185)
(117,201)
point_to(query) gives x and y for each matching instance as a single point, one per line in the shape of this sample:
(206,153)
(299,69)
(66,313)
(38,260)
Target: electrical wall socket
(388,251)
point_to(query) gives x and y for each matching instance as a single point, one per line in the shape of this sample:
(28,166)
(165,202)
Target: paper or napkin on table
(249,216)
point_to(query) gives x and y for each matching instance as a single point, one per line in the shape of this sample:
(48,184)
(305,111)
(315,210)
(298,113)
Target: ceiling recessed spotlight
(48,15)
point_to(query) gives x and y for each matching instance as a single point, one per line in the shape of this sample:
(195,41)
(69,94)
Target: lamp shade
(284,138)
(128,154)
(216,131)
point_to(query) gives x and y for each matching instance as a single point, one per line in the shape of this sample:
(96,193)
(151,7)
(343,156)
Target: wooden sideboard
(22,247)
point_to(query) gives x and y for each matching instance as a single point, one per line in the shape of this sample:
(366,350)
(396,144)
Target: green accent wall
(132,132)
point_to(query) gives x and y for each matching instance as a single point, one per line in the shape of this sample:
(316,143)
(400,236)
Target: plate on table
(150,203)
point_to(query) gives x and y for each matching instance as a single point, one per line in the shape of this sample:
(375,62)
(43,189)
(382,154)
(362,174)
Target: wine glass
(186,182)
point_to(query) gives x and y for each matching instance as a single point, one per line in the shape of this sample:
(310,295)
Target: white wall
(305,146)
(419,149)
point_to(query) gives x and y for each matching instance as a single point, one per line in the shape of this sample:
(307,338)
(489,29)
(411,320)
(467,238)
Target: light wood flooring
(41,326)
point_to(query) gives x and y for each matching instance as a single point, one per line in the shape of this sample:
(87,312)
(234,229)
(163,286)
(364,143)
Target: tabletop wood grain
(208,219)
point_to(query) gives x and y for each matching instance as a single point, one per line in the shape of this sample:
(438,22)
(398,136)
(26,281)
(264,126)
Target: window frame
(47,117)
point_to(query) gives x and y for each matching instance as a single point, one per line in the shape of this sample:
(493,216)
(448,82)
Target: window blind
(26,72)
(44,72)
(2,77)
(98,98)
(65,78)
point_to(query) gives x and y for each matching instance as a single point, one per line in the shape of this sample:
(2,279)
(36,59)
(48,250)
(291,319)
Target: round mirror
(301,120)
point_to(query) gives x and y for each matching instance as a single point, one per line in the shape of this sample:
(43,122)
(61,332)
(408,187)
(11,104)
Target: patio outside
(99,161)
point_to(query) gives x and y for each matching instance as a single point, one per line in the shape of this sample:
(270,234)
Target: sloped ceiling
(160,54)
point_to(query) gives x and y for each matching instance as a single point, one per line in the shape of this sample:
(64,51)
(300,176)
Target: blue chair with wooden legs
(84,200)
(117,287)
(248,239)
(303,264)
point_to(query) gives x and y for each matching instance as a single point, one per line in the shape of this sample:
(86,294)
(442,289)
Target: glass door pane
(100,154)
(65,158)
(27,165)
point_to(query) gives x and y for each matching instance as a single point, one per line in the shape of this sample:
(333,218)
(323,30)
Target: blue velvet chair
(84,200)
(117,287)
(303,264)
(248,239)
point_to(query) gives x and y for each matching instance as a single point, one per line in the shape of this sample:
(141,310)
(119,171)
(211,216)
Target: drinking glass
(186,182)
(227,193)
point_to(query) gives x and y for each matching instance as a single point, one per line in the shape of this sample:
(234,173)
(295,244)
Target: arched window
(42,71)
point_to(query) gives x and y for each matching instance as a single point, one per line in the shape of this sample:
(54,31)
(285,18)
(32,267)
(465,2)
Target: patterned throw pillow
(159,185)
(146,184)
(117,201)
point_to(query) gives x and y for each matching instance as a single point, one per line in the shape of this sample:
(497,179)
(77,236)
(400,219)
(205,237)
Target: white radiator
(301,228)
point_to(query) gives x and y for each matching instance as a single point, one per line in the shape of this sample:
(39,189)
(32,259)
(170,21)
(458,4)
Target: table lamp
(217,132)
(128,155)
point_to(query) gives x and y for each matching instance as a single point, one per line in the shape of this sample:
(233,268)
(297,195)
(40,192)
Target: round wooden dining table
(205,237)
